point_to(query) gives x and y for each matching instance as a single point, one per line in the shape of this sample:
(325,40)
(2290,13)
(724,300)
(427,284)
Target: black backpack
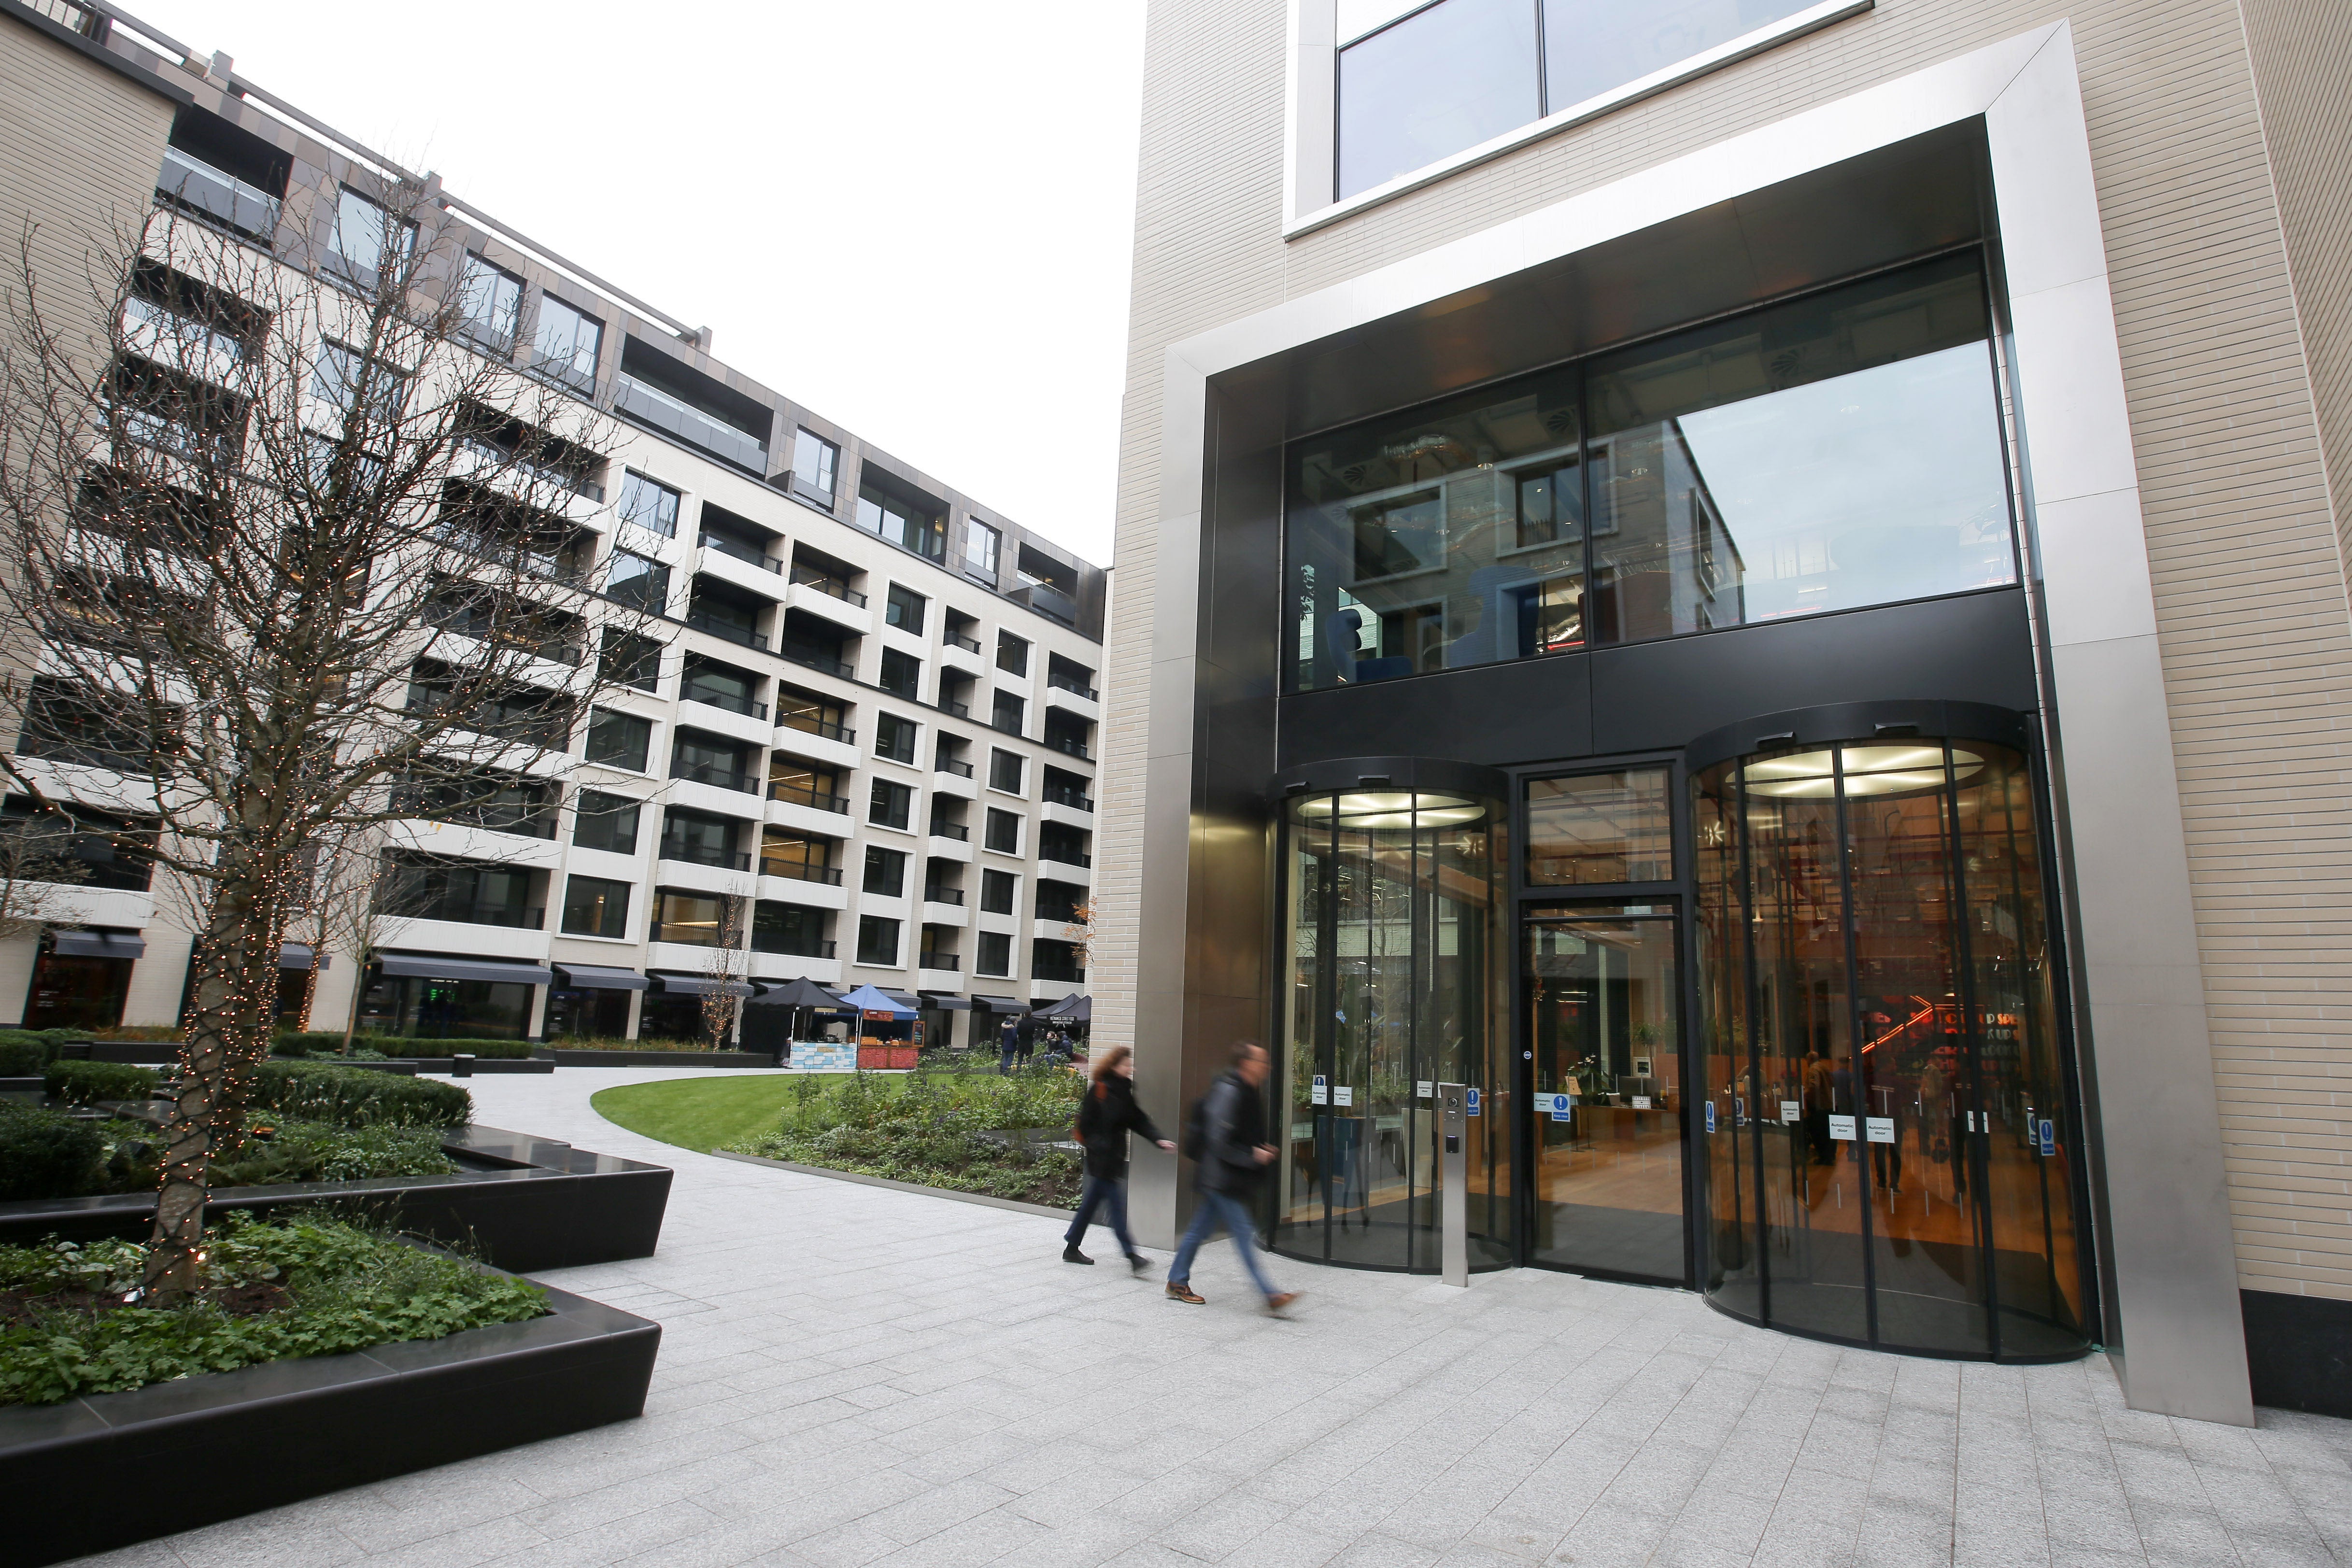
(1196,1127)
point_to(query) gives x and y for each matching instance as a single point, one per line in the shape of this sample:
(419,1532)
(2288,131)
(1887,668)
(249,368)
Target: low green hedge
(355,1097)
(87,1083)
(24,1051)
(46,1154)
(325,1044)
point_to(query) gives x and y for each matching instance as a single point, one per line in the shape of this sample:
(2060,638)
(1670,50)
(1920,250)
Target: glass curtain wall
(1891,1150)
(1396,986)
(1833,452)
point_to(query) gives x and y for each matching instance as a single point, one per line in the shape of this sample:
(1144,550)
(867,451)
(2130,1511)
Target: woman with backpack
(1105,1117)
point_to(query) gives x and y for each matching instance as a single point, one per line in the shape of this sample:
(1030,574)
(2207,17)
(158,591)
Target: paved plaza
(854,1377)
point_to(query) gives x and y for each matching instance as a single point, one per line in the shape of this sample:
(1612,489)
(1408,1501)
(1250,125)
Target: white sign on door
(1343,1094)
(1881,1129)
(1791,1111)
(1842,1128)
(1321,1093)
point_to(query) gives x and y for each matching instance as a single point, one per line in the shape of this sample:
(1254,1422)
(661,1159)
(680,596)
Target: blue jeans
(1217,1209)
(1102,1192)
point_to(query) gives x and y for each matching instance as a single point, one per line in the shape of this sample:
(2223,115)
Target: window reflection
(1600,828)
(1835,452)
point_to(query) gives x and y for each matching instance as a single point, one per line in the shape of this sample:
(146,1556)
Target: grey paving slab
(854,1377)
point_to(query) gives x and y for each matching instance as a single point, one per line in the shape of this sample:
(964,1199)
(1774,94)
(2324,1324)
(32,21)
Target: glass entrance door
(1603,1125)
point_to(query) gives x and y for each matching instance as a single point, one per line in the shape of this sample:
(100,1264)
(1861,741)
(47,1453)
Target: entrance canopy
(703,986)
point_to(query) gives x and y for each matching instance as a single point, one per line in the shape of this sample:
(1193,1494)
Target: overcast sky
(913,217)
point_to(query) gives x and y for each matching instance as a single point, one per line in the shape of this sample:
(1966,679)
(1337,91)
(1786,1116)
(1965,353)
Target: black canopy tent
(803,996)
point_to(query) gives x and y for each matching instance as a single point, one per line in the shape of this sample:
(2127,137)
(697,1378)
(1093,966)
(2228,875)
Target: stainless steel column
(1453,1185)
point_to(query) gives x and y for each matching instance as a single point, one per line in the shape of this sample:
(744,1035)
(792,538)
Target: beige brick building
(1940,402)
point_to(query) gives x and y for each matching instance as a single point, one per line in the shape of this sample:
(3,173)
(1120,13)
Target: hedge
(44,1153)
(323,1043)
(355,1097)
(24,1051)
(87,1083)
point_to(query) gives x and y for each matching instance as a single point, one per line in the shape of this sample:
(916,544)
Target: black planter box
(98,1472)
(565,1057)
(527,1203)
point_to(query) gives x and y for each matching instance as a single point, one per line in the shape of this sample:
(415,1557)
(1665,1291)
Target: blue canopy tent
(870,1000)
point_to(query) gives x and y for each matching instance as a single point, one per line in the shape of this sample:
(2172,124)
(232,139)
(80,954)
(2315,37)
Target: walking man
(1227,1137)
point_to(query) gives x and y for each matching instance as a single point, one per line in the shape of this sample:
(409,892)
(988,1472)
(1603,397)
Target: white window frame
(1310,145)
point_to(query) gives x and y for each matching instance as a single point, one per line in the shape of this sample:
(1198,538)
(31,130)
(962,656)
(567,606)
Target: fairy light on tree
(299,554)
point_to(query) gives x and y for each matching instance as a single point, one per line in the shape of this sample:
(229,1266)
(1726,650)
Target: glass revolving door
(1891,1157)
(1395,986)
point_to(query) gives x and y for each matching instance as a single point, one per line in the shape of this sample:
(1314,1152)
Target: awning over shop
(998,1004)
(101,945)
(943,1003)
(598,977)
(491,971)
(702,985)
(300,956)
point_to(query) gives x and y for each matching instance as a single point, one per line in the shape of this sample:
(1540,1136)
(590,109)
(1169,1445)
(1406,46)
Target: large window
(594,907)
(1006,771)
(619,739)
(491,298)
(1836,450)
(995,956)
(365,232)
(998,889)
(885,871)
(877,941)
(982,545)
(648,504)
(901,674)
(1003,832)
(1600,828)
(637,580)
(694,919)
(567,342)
(907,523)
(903,608)
(894,738)
(608,822)
(813,462)
(891,805)
(1450,76)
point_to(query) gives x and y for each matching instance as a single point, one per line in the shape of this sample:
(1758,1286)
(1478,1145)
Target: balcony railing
(703,621)
(1070,798)
(830,587)
(940,961)
(699,854)
(813,657)
(1006,727)
(822,728)
(800,871)
(218,195)
(950,765)
(969,644)
(804,795)
(1068,746)
(742,551)
(1073,685)
(942,896)
(1065,855)
(723,777)
(508,914)
(797,946)
(1069,974)
(683,419)
(726,700)
(954,710)
(955,831)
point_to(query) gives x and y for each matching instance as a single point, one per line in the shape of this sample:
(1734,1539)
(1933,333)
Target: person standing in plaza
(1008,1040)
(1105,1117)
(1226,1137)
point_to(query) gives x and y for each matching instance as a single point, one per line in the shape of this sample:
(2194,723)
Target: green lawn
(700,1113)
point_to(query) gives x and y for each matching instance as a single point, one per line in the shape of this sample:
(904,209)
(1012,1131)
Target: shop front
(436,996)
(590,1001)
(81,979)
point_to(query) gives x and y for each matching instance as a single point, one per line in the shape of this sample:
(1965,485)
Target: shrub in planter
(330,1045)
(487,1049)
(353,1097)
(87,1083)
(46,1153)
(23,1056)
(321,1151)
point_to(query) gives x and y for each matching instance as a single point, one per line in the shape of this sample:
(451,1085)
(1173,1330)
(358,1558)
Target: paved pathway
(854,1377)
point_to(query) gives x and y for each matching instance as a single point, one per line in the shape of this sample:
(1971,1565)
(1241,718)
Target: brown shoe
(1179,1291)
(1275,1303)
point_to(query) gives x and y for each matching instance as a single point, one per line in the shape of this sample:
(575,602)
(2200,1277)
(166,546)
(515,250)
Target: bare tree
(298,551)
(724,967)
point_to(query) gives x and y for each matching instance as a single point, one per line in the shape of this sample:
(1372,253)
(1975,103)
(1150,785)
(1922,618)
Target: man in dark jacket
(1234,1154)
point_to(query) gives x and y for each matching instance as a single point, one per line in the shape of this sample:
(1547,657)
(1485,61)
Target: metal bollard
(461,1066)
(1452,1183)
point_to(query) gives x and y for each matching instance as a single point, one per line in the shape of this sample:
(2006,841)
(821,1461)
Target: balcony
(945,962)
(218,194)
(727,701)
(738,550)
(954,710)
(800,871)
(514,917)
(1063,974)
(830,587)
(718,778)
(822,730)
(732,632)
(1070,797)
(1061,854)
(969,644)
(813,657)
(950,765)
(798,948)
(802,795)
(942,896)
(686,854)
(1074,686)
(1068,746)
(955,831)
(688,423)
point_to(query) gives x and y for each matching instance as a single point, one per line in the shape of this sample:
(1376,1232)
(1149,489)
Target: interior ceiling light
(1368,808)
(1869,770)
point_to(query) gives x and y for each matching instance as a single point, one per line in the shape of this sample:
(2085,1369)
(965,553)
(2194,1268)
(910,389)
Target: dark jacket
(1105,1117)
(1233,1118)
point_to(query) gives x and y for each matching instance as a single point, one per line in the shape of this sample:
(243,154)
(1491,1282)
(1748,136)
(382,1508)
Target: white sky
(914,218)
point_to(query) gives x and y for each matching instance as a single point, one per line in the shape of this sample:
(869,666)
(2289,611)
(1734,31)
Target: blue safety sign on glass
(2049,1136)
(1710,1116)
(1559,1107)
(1470,1107)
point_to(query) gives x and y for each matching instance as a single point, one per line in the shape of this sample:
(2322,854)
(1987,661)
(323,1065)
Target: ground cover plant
(599,1043)
(46,1154)
(72,1320)
(378,1047)
(357,1097)
(930,1127)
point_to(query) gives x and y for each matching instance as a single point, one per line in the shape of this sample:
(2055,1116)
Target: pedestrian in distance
(1105,1117)
(1008,1040)
(1225,1136)
(1026,1047)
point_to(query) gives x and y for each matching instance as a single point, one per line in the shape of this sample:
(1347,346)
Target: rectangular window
(638,582)
(998,889)
(1006,771)
(1060,841)
(891,805)
(1012,653)
(357,387)
(1003,832)
(885,871)
(619,739)
(365,232)
(903,608)
(901,674)
(1059,900)
(648,504)
(815,460)
(593,906)
(692,918)
(700,839)
(903,523)
(629,660)
(894,738)
(602,822)
(982,547)
(1011,712)
(1831,451)
(1600,827)
(788,928)
(491,298)
(995,956)
(799,856)
(877,941)
(568,341)
(811,713)
(805,785)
